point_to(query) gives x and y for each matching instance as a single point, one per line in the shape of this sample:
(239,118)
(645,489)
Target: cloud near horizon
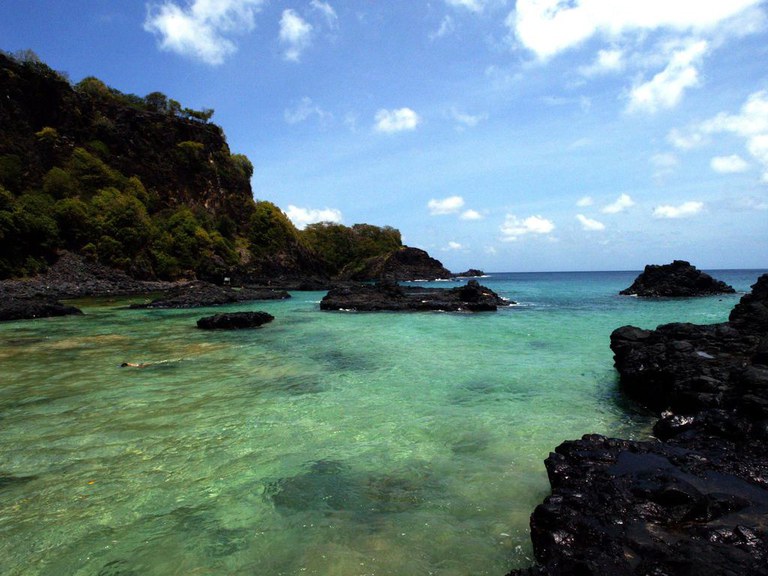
(514,227)
(589,224)
(684,210)
(622,203)
(302,217)
(450,205)
(201,29)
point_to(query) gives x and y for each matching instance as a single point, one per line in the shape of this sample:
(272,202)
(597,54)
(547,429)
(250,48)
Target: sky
(527,135)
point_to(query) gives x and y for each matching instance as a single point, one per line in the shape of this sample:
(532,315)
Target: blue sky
(507,135)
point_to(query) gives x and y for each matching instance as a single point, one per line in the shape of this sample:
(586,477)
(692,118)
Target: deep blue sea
(325,443)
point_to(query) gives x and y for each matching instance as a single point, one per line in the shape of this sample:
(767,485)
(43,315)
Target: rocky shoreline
(694,501)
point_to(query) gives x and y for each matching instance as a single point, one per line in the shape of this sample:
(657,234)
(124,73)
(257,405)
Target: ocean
(324,443)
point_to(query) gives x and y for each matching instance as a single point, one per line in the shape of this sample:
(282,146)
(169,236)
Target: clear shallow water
(324,443)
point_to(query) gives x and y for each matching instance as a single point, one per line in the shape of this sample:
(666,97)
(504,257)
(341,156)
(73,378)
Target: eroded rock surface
(678,279)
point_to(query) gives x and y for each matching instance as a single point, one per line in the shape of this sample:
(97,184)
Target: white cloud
(514,227)
(664,163)
(399,120)
(301,217)
(304,110)
(200,29)
(548,27)
(622,203)
(467,120)
(295,34)
(751,203)
(607,61)
(665,89)
(729,164)
(589,223)
(449,205)
(471,215)
(446,27)
(751,123)
(453,246)
(585,201)
(331,18)
(684,210)
(471,5)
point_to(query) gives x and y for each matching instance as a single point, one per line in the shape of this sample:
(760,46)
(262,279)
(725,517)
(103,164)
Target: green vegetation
(143,185)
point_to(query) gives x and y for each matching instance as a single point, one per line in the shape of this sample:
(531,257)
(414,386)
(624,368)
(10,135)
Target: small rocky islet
(679,279)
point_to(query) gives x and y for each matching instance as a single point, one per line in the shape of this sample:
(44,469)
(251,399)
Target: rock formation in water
(31,308)
(678,279)
(696,500)
(391,296)
(235,321)
(403,264)
(199,294)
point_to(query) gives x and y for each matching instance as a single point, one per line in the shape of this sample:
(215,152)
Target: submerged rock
(235,321)
(200,294)
(678,279)
(695,501)
(30,308)
(391,296)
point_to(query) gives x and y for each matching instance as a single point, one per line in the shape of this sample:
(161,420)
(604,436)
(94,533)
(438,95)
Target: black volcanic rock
(30,308)
(386,295)
(695,501)
(678,279)
(235,321)
(471,273)
(405,264)
(199,294)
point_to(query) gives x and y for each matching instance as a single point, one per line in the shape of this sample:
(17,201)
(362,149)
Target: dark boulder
(30,308)
(391,296)
(404,264)
(235,321)
(471,273)
(200,294)
(694,501)
(678,279)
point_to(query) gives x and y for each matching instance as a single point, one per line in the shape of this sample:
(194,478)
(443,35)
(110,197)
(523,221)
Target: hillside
(143,185)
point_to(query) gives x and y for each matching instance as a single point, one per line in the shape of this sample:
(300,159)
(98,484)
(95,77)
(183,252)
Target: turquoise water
(321,444)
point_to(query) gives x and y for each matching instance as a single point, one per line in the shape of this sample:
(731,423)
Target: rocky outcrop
(386,295)
(678,279)
(30,308)
(235,321)
(471,273)
(694,501)
(200,294)
(405,264)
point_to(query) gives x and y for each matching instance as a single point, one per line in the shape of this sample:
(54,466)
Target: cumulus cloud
(453,246)
(514,227)
(751,123)
(606,62)
(684,210)
(201,29)
(301,217)
(585,201)
(450,205)
(295,34)
(589,223)
(400,120)
(622,203)
(729,164)
(471,215)
(304,110)
(665,89)
(548,27)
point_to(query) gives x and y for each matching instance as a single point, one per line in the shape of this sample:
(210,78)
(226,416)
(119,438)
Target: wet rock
(30,308)
(391,296)
(696,500)
(235,321)
(678,279)
(200,294)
